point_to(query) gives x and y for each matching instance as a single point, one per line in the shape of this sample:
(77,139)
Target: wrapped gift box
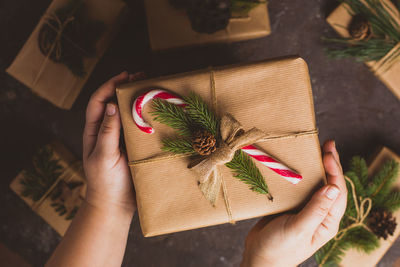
(70,178)
(340,20)
(170,27)
(55,81)
(274,96)
(354,257)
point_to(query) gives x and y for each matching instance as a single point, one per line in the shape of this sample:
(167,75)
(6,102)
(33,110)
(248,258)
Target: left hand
(290,239)
(109,181)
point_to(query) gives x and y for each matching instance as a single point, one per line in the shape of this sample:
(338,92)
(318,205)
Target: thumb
(108,137)
(317,209)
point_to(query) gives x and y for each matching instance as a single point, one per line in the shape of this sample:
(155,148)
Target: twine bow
(362,209)
(233,138)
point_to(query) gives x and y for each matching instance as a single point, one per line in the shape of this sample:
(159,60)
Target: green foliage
(177,146)
(172,115)
(246,171)
(42,176)
(386,34)
(356,234)
(241,8)
(79,36)
(199,113)
(360,168)
(194,115)
(381,184)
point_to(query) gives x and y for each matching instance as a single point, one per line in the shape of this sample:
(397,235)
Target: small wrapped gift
(64,48)
(386,69)
(274,96)
(54,187)
(170,27)
(354,257)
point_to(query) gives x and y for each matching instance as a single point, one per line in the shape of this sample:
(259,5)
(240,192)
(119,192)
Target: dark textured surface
(351,106)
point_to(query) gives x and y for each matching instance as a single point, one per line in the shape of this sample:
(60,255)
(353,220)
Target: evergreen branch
(353,229)
(177,146)
(200,114)
(391,202)
(383,180)
(385,29)
(172,115)
(357,183)
(360,168)
(246,171)
(39,179)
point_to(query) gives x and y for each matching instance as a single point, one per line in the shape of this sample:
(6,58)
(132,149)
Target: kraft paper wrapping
(274,96)
(340,20)
(356,258)
(170,27)
(54,81)
(44,208)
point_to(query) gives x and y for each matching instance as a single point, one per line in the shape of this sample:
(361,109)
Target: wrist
(110,207)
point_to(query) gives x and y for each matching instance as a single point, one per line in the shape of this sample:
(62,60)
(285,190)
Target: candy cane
(139,103)
(251,150)
(273,164)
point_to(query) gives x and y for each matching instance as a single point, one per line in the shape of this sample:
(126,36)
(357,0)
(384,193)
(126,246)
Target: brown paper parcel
(356,258)
(54,81)
(73,173)
(170,27)
(340,20)
(274,96)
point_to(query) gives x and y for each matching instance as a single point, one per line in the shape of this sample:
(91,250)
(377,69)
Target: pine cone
(360,28)
(209,16)
(204,142)
(382,223)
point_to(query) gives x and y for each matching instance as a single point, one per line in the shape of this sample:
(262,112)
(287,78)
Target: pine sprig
(196,114)
(386,34)
(42,176)
(246,171)
(379,190)
(200,114)
(382,183)
(177,146)
(172,115)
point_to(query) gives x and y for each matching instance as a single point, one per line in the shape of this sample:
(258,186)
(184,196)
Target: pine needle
(383,180)
(172,115)
(246,171)
(177,146)
(198,112)
(386,34)
(379,189)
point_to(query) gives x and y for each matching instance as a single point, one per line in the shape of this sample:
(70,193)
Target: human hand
(109,181)
(290,239)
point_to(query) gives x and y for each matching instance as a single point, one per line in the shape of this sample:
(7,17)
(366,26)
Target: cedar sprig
(385,29)
(194,115)
(379,189)
(246,171)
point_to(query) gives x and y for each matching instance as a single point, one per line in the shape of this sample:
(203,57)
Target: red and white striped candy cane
(273,164)
(251,150)
(139,103)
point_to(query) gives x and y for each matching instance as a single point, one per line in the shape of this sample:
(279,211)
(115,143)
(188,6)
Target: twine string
(363,209)
(168,156)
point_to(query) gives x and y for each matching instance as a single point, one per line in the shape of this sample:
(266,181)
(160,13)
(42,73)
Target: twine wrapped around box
(273,95)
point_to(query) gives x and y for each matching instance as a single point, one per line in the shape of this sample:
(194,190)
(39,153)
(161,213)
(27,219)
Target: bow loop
(233,138)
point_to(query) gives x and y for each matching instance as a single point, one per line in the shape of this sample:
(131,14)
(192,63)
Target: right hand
(290,239)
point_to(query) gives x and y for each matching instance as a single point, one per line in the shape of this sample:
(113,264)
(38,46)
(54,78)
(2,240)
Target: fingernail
(110,109)
(332,192)
(334,144)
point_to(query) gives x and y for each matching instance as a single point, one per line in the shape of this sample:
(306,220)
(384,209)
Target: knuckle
(106,128)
